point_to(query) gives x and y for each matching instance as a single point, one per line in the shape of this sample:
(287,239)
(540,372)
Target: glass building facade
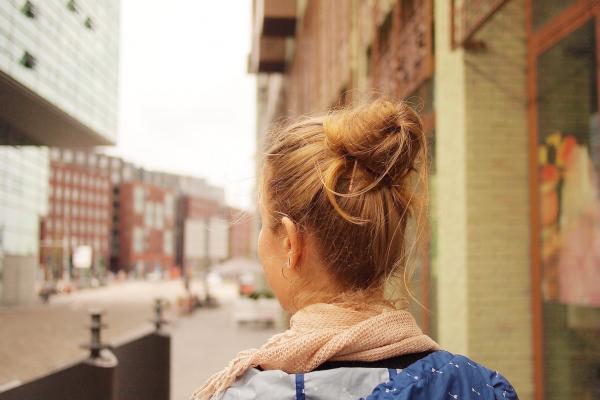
(58,87)
(66,52)
(23,200)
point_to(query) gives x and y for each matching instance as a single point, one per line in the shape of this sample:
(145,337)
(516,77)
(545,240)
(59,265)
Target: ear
(292,244)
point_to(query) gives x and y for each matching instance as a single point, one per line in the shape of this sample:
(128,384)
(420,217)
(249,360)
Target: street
(38,339)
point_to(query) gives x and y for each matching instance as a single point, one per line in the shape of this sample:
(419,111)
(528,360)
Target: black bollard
(101,363)
(158,321)
(162,346)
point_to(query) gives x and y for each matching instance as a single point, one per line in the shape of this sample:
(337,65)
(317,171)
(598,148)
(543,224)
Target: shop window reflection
(568,153)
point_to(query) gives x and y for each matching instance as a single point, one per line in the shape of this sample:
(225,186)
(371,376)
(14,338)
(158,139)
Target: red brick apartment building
(79,214)
(146,228)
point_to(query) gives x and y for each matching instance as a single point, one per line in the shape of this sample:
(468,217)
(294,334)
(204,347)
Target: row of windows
(91,160)
(79,179)
(65,82)
(61,197)
(79,211)
(58,240)
(59,225)
(140,244)
(30,10)
(154,212)
(58,34)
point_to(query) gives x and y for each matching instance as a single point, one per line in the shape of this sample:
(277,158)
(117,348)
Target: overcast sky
(187,104)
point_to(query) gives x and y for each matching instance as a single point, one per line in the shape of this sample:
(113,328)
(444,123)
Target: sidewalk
(38,339)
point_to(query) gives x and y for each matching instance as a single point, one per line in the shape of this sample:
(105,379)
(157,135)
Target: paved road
(37,339)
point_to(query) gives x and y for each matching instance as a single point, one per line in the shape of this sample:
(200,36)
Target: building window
(569,213)
(72,6)
(67,156)
(80,157)
(29,10)
(138,200)
(55,154)
(103,162)
(89,23)
(169,206)
(138,240)
(168,243)
(149,220)
(28,60)
(159,217)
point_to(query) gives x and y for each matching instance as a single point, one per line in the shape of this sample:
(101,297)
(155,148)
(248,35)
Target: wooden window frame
(549,34)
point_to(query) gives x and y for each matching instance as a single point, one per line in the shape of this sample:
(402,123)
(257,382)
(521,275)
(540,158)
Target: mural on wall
(570,220)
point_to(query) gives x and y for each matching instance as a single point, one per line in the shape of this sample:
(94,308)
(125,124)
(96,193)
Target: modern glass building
(23,189)
(58,87)
(59,72)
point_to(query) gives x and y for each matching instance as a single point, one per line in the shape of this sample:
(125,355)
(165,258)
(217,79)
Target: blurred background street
(131,136)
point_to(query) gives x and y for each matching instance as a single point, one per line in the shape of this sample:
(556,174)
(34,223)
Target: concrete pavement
(37,339)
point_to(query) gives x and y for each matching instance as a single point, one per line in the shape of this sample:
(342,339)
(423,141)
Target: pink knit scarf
(323,332)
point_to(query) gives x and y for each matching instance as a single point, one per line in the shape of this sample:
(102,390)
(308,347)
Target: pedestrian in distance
(342,200)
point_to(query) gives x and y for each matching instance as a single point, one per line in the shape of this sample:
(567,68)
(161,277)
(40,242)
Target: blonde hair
(352,179)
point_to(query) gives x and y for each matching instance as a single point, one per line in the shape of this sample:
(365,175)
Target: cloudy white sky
(187,104)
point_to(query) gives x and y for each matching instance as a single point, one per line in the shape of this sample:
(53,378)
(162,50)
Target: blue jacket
(439,375)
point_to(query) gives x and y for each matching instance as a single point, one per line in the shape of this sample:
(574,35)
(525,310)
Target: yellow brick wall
(484,269)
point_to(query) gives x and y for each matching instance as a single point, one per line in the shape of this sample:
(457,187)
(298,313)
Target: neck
(305,298)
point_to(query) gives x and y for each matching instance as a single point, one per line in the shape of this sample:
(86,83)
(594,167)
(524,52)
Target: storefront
(563,84)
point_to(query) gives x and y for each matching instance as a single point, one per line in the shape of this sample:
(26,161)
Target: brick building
(119,172)
(146,228)
(508,91)
(79,214)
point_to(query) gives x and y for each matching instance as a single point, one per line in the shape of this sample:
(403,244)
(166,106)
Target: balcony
(274,21)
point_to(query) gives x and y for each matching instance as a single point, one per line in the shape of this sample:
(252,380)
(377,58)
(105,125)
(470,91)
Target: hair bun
(384,137)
